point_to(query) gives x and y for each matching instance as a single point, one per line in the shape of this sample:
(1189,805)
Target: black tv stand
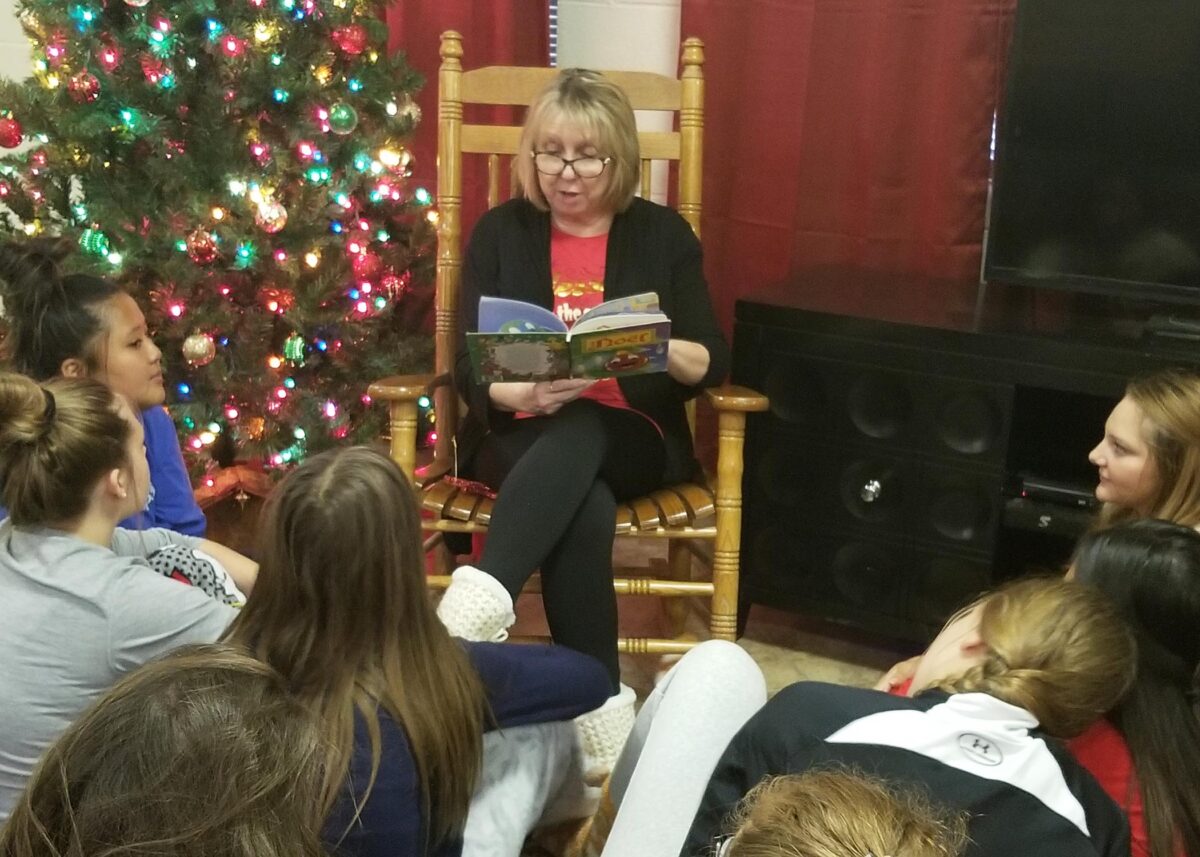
(1173,327)
(879,488)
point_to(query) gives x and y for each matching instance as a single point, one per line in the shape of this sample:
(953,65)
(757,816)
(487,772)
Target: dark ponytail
(1151,569)
(53,316)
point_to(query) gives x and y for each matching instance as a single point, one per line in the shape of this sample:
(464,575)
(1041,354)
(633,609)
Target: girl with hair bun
(80,604)
(83,326)
(1034,660)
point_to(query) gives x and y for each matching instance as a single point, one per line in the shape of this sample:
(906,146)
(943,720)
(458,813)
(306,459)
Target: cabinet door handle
(870,492)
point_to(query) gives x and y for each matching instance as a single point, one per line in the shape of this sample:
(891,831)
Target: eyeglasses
(550,164)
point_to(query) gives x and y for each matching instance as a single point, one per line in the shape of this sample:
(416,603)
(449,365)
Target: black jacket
(650,248)
(1025,793)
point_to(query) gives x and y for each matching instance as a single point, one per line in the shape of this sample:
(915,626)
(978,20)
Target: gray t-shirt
(74,618)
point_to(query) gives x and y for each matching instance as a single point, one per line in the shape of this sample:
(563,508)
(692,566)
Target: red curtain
(849,133)
(498,32)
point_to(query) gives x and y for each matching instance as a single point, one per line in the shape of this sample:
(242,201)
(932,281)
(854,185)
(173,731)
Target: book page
(590,324)
(505,315)
(643,302)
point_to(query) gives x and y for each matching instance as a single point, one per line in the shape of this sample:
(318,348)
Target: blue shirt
(171,504)
(524,684)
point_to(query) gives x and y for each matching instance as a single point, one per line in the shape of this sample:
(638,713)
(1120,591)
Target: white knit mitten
(476,606)
(602,733)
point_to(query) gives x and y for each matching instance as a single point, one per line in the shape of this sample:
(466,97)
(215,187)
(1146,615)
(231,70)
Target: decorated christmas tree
(241,166)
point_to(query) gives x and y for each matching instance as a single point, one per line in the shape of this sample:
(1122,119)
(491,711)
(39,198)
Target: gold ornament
(199,349)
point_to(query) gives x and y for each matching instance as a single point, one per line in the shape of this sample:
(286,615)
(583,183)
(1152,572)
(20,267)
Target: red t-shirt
(1103,752)
(577,275)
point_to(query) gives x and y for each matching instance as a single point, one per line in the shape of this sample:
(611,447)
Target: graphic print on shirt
(577,274)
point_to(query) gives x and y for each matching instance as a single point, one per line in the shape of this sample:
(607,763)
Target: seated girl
(1146,753)
(81,326)
(840,814)
(340,609)
(203,753)
(1148,461)
(1035,659)
(80,604)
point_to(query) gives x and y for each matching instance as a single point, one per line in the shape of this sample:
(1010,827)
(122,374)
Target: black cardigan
(650,248)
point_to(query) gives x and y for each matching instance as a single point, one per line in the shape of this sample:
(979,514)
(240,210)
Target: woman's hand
(687,362)
(898,674)
(537,397)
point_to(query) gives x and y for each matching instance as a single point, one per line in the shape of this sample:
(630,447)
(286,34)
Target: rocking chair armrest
(406,388)
(730,397)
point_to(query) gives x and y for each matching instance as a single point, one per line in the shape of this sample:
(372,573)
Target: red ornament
(10,133)
(84,87)
(275,299)
(351,39)
(365,264)
(201,246)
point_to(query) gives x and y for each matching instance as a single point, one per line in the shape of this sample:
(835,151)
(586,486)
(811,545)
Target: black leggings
(560,480)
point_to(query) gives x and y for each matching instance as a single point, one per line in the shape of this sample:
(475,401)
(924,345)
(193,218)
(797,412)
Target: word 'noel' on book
(519,341)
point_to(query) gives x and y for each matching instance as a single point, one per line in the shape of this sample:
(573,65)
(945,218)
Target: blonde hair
(1170,402)
(201,754)
(57,440)
(1056,648)
(340,608)
(840,813)
(602,111)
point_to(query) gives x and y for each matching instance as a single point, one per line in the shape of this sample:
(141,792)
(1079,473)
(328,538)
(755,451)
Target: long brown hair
(1056,648)
(340,608)
(841,813)
(1170,401)
(57,440)
(1151,569)
(201,754)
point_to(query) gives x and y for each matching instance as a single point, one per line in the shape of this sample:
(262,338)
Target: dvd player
(1054,491)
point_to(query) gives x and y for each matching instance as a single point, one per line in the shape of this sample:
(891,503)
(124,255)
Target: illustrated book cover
(519,341)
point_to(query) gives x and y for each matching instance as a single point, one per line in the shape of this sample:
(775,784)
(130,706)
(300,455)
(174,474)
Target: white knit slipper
(476,606)
(602,733)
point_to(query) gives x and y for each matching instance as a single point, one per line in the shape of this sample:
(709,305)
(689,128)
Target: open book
(519,341)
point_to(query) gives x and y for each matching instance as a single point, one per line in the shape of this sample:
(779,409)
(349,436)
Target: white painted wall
(16,58)
(633,35)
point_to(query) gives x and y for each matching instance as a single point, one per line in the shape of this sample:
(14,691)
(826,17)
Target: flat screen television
(1097,172)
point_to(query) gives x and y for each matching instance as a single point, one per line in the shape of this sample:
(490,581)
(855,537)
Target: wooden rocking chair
(689,515)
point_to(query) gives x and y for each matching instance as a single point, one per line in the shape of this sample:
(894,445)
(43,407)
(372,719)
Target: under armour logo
(980,749)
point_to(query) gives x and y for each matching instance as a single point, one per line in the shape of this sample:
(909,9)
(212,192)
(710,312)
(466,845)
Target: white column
(15,55)
(631,35)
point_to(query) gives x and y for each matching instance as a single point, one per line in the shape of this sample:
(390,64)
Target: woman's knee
(595,518)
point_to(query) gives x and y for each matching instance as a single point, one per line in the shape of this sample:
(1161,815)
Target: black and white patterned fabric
(198,569)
